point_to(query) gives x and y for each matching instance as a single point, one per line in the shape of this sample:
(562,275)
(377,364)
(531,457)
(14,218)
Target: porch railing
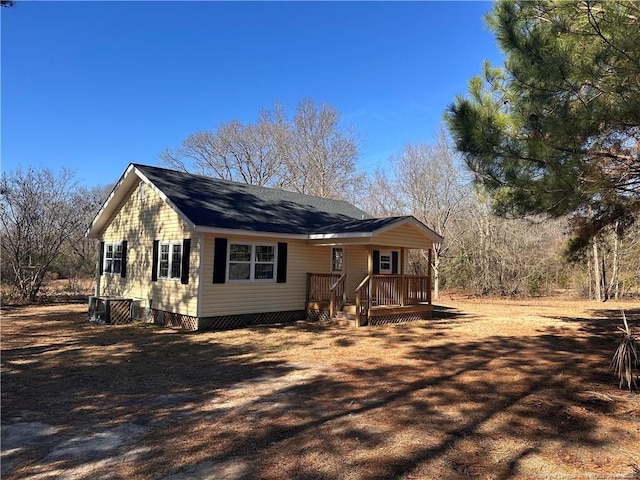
(418,290)
(373,291)
(319,286)
(391,290)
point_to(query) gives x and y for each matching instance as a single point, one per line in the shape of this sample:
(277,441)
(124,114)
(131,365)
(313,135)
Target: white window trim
(344,260)
(104,258)
(252,263)
(171,245)
(385,271)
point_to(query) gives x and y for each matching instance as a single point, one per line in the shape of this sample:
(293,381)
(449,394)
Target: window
(112,258)
(385,262)
(170,261)
(337,260)
(249,262)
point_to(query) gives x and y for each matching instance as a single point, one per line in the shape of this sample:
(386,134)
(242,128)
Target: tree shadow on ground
(102,376)
(455,403)
(209,405)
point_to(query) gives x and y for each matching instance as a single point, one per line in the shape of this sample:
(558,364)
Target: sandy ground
(489,388)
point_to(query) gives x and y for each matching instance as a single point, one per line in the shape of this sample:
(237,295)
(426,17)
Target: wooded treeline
(44,217)
(534,183)
(486,254)
(555,131)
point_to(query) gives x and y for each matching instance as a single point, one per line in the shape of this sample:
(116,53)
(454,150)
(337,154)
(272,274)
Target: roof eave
(118,195)
(333,236)
(166,199)
(413,221)
(112,201)
(248,233)
(433,236)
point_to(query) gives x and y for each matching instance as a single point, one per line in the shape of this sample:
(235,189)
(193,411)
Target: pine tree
(556,130)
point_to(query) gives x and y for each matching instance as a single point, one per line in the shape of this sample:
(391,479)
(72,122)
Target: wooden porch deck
(379,299)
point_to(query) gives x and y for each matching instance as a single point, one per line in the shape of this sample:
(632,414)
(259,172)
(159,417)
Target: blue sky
(94,86)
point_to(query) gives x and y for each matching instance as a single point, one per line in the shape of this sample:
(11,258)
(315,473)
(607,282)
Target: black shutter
(376,262)
(186,250)
(219,260)
(101,259)
(123,264)
(154,261)
(394,263)
(282,263)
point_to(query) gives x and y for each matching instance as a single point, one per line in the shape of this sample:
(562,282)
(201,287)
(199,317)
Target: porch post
(430,276)
(404,284)
(370,273)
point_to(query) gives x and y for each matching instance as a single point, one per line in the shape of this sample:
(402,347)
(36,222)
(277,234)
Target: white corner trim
(200,275)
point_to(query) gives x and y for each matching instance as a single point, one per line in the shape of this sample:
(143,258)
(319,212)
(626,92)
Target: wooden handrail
(338,282)
(363,300)
(337,289)
(363,282)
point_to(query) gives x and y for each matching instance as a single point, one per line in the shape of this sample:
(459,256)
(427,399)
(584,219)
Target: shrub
(625,361)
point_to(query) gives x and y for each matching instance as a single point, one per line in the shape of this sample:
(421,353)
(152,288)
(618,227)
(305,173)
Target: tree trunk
(603,275)
(436,273)
(596,273)
(614,285)
(590,280)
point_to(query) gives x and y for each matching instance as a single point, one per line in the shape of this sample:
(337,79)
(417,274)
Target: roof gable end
(206,204)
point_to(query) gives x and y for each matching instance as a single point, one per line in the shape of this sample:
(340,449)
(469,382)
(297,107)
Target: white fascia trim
(249,233)
(108,201)
(415,223)
(184,218)
(331,236)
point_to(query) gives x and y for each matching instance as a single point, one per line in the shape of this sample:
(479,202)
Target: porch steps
(346,316)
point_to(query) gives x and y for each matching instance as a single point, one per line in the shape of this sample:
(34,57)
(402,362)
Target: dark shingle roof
(210,202)
(361,226)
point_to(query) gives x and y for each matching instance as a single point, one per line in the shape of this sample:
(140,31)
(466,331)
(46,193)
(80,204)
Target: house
(198,252)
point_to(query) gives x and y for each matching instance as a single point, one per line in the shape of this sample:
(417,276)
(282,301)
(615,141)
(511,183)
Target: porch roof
(370,228)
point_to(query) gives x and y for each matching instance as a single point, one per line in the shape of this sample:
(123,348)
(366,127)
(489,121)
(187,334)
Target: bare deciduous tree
(39,215)
(320,156)
(433,189)
(311,153)
(237,152)
(383,199)
(507,256)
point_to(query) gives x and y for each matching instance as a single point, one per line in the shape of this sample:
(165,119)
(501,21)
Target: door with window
(338,264)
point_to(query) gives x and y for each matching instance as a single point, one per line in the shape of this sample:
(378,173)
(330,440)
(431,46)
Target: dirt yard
(490,389)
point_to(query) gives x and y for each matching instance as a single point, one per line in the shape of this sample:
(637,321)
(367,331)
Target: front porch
(378,299)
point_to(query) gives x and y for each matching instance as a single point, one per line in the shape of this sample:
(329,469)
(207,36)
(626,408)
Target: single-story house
(198,252)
